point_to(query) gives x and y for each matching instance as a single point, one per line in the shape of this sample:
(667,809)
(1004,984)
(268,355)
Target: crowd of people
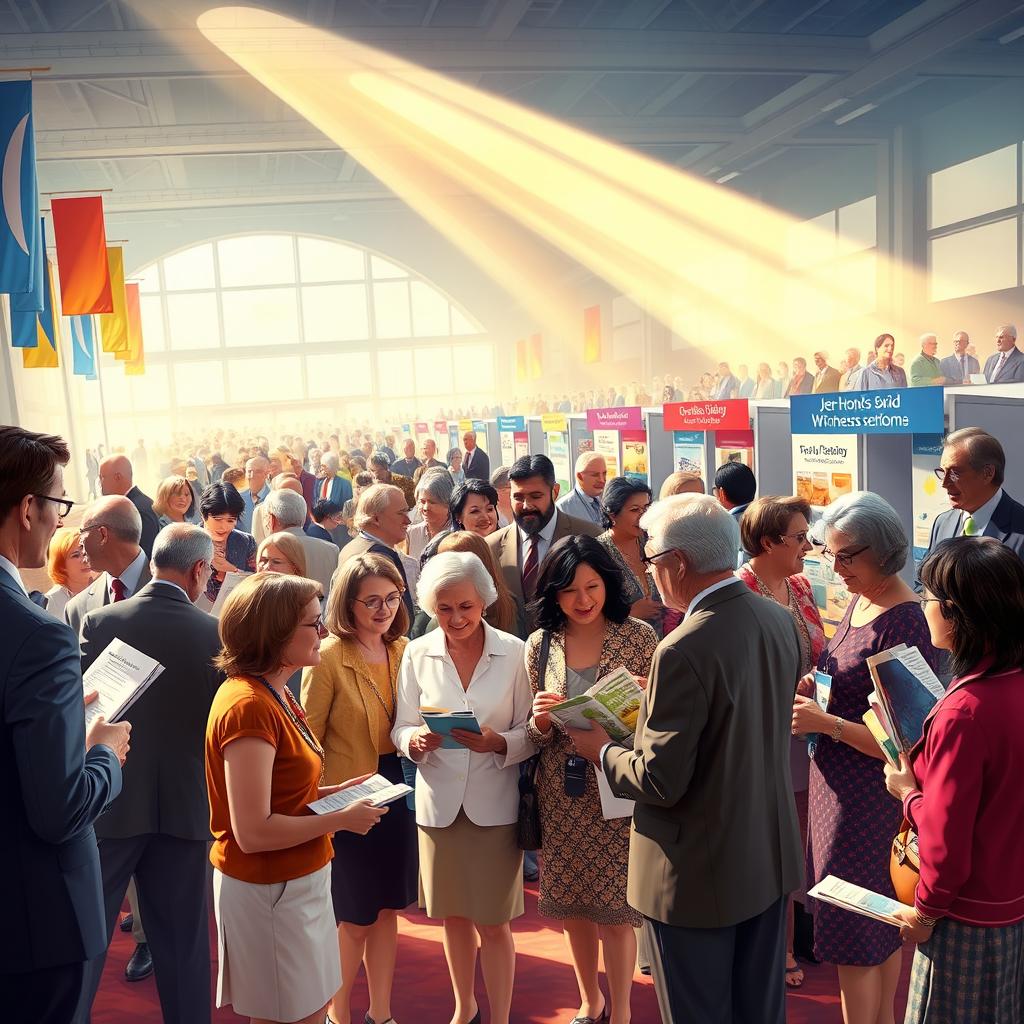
(310,602)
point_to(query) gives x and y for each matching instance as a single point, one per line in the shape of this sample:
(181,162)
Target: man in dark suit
(475,464)
(715,844)
(57,777)
(1005,366)
(326,517)
(958,367)
(109,536)
(801,383)
(521,546)
(735,487)
(158,828)
(116,478)
(827,377)
(430,453)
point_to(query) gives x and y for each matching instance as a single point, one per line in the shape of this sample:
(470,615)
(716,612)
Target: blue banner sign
(511,424)
(897,411)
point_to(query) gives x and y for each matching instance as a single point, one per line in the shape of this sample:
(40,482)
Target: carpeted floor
(545,991)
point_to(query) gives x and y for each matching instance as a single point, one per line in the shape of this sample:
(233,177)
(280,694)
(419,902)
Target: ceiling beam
(506,18)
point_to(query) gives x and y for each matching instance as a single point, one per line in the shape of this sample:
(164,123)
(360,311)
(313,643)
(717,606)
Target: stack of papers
(377,789)
(442,721)
(121,675)
(858,900)
(613,702)
(906,689)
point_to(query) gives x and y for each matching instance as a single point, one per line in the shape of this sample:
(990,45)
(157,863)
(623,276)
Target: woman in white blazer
(467,798)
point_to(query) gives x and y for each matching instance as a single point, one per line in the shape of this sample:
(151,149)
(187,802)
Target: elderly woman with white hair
(433,493)
(467,790)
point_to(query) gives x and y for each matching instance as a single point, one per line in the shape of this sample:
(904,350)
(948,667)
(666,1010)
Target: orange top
(245,707)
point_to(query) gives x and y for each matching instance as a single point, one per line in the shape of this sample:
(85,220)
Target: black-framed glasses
(318,624)
(952,474)
(649,560)
(843,558)
(375,603)
(64,505)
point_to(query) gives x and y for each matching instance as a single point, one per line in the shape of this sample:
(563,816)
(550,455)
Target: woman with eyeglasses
(277,957)
(350,699)
(775,529)
(851,820)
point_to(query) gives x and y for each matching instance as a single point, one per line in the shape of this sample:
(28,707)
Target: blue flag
(83,346)
(21,252)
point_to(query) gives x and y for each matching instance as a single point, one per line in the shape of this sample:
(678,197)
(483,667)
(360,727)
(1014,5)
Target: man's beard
(533,522)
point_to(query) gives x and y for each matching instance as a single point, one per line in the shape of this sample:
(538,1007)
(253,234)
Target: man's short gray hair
(287,507)
(330,460)
(925,338)
(500,478)
(372,502)
(584,459)
(698,526)
(178,546)
(1010,329)
(869,521)
(448,569)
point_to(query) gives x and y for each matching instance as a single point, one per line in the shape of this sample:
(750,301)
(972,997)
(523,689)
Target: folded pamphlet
(442,721)
(231,580)
(613,702)
(881,737)
(858,900)
(907,690)
(377,789)
(121,675)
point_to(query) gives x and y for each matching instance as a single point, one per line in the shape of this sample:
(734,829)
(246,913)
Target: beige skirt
(277,946)
(471,871)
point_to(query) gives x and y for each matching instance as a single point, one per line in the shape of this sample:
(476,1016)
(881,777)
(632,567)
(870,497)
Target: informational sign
(606,443)
(734,446)
(558,453)
(636,456)
(584,444)
(515,442)
(688,452)
(896,411)
(553,422)
(422,433)
(441,434)
(454,437)
(929,499)
(629,417)
(511,424)
(522,442)
(480,429)
(508,447)
(724,414)
(465,425)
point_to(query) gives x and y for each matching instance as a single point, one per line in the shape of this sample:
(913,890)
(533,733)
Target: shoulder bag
(528,835)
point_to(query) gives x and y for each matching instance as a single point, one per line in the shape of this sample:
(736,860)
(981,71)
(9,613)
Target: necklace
(294,713)
(389,714)
(790,604)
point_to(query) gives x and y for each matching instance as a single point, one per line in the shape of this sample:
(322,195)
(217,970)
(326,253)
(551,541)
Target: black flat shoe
(602,1019)
(367,1019)
(141,963)
(127,923)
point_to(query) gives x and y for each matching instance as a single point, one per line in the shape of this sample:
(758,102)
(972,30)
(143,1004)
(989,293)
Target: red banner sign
(714,414)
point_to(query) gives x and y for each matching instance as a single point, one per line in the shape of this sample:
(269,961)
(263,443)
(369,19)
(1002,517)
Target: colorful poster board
(636,456)
(480,429)
(895,411)
(606,443)
(688,452)
(714,414)
(626,417)
(441,435)
(929,499)
(734,446)
(558,453)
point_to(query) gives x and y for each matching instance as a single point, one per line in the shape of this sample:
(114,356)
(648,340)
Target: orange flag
(135,363)
(82,256)
(536,357)
(114,325)
(592,334)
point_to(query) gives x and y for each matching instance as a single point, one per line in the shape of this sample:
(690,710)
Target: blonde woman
(175,501)
(350,700)
(68,569)
(281,552)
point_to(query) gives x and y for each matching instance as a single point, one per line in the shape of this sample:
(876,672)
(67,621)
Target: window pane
(335,312)
(971,262)
(256,259)
(981,185)
(150,390)
(191,269)
(338,375)
(394,373)
(812,241)
(383,269)
(199,383)
(320,260)
(624,311)
(267,316)
(434,370)
(149,279)
(193,320)
(461,324)
(857,226)
(475,362)
(276,379)
(152,310)
(429,311)
(391,310)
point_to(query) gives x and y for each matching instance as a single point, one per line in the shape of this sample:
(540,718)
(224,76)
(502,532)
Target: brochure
(613,702)
(852,897)
(442,721)
(231,580)
(377,789)
(881,737)
(907,690)
(612,806)
(822,697)
(121,675)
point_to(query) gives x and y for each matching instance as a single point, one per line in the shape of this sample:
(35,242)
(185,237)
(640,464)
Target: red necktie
(530,568)
(119,590)
(325,487)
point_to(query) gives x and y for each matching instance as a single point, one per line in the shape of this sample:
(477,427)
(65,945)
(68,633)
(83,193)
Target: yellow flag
(44,355)
(114,326)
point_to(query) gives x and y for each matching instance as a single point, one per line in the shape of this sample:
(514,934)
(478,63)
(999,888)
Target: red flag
(82,256)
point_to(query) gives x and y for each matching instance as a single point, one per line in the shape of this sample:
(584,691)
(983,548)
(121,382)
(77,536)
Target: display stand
(535,434)
(581,437)
(493,445)
(659,449)
(555,426)
(773,446)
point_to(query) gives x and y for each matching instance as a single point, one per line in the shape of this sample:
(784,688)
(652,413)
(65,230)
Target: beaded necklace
(294,713)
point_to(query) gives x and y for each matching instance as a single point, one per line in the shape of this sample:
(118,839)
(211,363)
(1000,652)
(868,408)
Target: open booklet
(377,789)
(858,900)
(231,580)
(121,675)
(906,689)
(442,721)
(613,702)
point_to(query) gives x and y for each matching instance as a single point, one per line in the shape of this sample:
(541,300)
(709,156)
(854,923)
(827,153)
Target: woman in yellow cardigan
(349,700)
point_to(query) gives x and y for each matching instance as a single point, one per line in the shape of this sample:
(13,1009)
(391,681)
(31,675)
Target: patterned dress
(852,817)
(585,855)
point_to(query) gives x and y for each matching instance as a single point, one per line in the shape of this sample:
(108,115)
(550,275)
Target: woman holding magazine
(583,613)
(961,788)
(350,701)
(851,820)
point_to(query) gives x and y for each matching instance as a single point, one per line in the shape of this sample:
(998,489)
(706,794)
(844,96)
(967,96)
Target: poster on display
(929,498)
(508,447)
(688,452)
(824,469)
(441,434)
(522,441)
(606,443)
(627,417)
(558,453)
(734,446)
(636,456)
(554,423)
(584,444)
(422,433)
(480,429)
(714,414)
(454,437)
(512,431)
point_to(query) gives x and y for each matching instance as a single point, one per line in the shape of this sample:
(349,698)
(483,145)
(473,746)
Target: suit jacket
(96,595)
(727,387)
(316,530)
(802,388)
(1012,371)
(1006,525)
(164,790)
(53,791)
(746,388)
(481,467)
(405,467)
(150,520)
(826,380)
(321,558)
(339,493)
(360,545)
(709,768)
(953,373)
(573,504)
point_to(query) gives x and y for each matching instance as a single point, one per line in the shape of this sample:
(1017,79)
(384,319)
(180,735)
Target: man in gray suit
(159,827)
(116,477)
(285,512)
(109,536)
(715,844)
(1006,366)
(584,500)
(958,367)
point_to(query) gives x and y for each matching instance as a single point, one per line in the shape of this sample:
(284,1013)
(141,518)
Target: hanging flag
(26,307)
(44,355)
(536,360)
(114,325)
(32,301)
(135,365)
(19,241)
(82,255)
(592,334)
(521,368)
(83,346)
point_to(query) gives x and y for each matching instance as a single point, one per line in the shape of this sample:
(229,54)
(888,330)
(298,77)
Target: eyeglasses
(800,537)
(942,474)
(649,560)
(64,505)
(375,603)
(318,625)
(843,558)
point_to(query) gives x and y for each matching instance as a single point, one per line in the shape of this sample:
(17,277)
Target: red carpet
(545,990)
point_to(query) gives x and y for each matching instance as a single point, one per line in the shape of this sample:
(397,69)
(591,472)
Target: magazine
(613,702)
(377,789)
(857,900)
(120,675)
(881,737)
(907,690)
(442,721)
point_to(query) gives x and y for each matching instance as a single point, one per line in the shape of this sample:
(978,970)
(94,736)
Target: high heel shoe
(602,1018)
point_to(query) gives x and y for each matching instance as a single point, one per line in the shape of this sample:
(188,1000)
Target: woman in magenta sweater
(962,789)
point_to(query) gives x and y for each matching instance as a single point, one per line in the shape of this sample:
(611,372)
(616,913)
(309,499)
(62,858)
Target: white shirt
(707,592)
(499,694)
(543,540)
(982,516)
(12,570)
(130,576)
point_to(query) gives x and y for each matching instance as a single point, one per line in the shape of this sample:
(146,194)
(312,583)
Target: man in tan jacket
(715,845)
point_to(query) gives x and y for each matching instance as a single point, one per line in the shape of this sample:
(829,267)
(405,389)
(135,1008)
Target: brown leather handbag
(905,863)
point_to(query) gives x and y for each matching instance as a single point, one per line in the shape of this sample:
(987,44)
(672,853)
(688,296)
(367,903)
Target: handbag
(528,835)
(905,863)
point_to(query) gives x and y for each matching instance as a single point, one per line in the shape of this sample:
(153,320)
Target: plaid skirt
(968,975)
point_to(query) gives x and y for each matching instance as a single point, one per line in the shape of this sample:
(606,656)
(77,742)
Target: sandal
(794,976)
